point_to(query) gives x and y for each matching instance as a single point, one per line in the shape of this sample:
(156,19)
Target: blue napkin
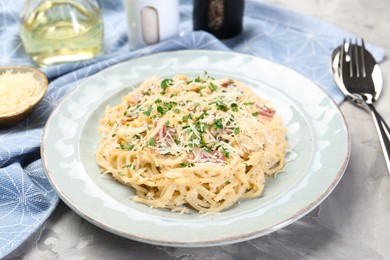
(26,197)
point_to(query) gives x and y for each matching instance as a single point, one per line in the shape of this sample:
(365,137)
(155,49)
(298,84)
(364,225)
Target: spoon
(363,95)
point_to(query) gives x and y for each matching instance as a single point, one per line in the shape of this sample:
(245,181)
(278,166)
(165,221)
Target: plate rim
(211,242)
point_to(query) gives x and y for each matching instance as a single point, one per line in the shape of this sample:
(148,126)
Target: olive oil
(62,31)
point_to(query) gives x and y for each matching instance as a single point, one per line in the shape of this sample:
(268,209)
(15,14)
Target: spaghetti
(200,143)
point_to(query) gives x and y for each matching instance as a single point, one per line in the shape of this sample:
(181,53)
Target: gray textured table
(352,223)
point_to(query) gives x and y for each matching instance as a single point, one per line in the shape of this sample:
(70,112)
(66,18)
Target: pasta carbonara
(200,143)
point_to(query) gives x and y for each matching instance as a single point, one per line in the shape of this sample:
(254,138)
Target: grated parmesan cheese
(199,142)
(17,90)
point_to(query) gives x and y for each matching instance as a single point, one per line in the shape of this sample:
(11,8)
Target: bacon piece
(163,133)
(227,83)
(266,112)
(219,155)
(127,120)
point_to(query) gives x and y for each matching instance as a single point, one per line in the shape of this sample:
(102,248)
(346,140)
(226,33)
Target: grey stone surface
(352,223)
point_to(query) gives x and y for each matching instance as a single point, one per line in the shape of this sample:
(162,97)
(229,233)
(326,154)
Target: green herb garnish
(165,83)
(185,118)
(169,105)
(225,153)
(147,112)
(188,165)
(220,105)
(127,147)
(152,142)
(161,110)
(213,87)
(234,107)
(218,124)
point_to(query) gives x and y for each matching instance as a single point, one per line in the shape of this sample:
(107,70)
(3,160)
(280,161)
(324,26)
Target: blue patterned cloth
(26,197)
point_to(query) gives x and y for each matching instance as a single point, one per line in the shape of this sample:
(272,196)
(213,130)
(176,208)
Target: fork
(354,71)
(362,82)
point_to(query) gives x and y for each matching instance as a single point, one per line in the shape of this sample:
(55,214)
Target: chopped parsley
(169,105)
(220,105)
(165,84)
(147,112)
(203,115)
(152,142)
(185,118)
(161,110)
(213,87)
(218,124)
(188,165)
(234,107)
(225,153)
(207,149)
(127,147)
(201,127)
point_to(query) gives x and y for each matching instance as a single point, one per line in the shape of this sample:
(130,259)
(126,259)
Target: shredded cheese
(199,143)
(17,90)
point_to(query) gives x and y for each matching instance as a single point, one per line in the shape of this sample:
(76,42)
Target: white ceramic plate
(316,130)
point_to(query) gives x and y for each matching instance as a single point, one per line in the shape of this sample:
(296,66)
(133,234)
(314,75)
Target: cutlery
(359,77)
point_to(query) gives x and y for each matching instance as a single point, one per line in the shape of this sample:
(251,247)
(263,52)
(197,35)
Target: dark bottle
(222,18)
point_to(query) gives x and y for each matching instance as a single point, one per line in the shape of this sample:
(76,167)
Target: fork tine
(351,67)
(362,50)
(342,58)
(356,58)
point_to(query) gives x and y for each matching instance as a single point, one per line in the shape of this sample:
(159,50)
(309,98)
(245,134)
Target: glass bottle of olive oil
(58,31)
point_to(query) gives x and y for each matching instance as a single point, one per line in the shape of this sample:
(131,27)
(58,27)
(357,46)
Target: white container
(151,21)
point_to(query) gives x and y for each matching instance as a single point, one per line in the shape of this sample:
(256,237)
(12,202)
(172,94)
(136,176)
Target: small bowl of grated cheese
(21,89)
